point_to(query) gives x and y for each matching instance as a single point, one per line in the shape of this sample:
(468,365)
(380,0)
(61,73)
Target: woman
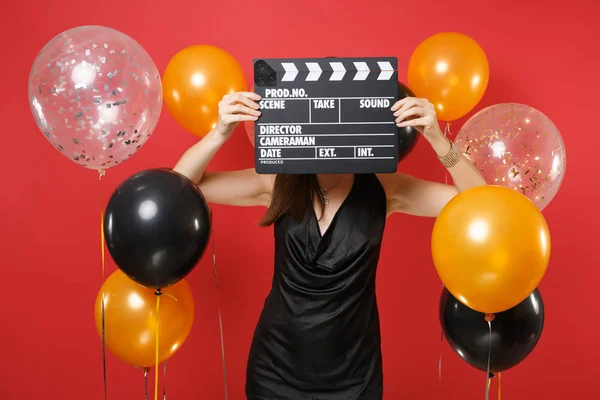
(318,335)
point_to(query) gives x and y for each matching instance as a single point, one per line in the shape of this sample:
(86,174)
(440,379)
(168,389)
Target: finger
(242,97)
(397,105)
(406,101)
(241,109)
(423,121)
(250,95)
(409,103)
(411,112)
(241,117)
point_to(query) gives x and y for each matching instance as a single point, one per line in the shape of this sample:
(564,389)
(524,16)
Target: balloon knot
(158,292)
(490,317)
(491,376)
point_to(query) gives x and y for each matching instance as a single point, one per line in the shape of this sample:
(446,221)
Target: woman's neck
(332,181)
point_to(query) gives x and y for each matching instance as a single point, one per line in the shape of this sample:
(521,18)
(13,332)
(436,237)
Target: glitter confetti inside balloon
(96,95)
(516,146)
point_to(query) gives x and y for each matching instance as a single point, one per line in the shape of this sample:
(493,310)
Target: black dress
(318,335)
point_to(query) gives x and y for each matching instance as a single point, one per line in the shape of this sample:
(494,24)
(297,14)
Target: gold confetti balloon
(518,147)
(96,95)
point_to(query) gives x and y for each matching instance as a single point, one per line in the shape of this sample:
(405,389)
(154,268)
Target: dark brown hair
(293,195)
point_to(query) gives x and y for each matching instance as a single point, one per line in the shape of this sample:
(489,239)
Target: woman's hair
(293,195)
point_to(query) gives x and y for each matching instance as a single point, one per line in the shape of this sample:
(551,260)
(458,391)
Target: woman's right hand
(244,187)
(235,108)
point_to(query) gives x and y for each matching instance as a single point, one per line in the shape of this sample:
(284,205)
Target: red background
(540,55)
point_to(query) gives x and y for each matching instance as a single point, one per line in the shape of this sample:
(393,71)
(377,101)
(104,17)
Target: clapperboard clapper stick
(323,115)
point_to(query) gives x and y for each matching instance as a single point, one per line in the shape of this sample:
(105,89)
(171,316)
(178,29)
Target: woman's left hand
(419,113)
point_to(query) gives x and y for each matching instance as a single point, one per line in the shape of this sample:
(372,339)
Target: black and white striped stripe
(336,70)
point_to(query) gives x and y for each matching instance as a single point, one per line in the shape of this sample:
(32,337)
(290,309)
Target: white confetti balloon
(96,95)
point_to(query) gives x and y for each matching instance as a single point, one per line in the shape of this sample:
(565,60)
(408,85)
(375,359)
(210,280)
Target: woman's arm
(414,196)
(239,188)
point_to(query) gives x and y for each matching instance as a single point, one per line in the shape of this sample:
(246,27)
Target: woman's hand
(235,108)
(419,113)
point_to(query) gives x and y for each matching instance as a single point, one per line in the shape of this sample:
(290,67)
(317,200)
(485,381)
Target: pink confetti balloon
(516,146)
(96,95)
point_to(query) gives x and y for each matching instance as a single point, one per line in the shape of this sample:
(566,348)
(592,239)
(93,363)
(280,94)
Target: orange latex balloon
(491,247)
(450,70)
(194,82)
(130,319)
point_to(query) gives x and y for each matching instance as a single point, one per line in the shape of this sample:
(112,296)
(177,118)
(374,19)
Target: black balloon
(407,136)
(515,332)
(157,226)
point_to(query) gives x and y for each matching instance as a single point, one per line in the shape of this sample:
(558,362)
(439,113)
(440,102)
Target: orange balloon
(194,82)
(130,319)
(491,247)
(450,70)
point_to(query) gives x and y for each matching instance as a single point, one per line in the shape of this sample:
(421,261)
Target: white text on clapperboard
(275,138)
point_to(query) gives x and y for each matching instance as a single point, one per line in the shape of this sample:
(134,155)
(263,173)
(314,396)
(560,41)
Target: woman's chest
(339,237)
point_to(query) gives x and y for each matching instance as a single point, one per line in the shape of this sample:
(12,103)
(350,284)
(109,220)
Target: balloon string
(446,134)
(218,305)
(499,384)
(441,350)
(487,376)
(146,369)
(440,360)
(101,173)
(165,380)
(156,364)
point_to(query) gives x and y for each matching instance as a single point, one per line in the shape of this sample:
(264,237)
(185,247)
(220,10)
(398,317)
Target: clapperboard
(326,115)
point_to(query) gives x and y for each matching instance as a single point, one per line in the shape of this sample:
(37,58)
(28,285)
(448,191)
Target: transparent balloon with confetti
(96,95)
(516,146)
